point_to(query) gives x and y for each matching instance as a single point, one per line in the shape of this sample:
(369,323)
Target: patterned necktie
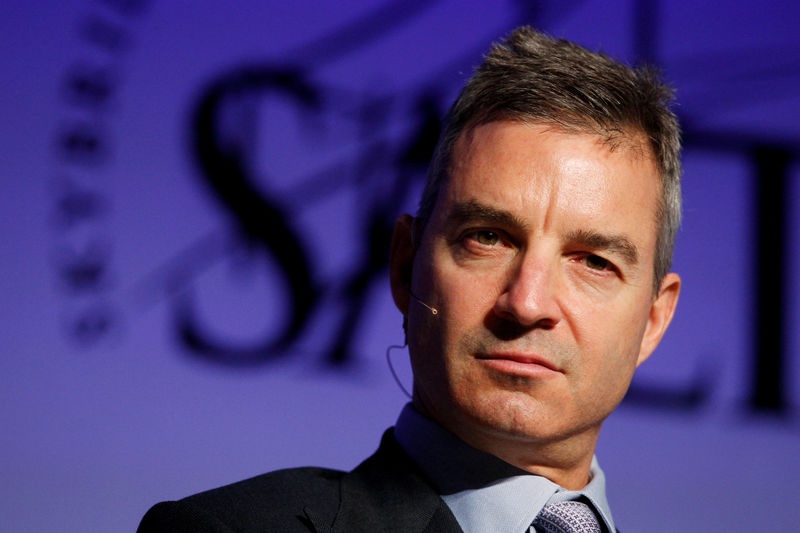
(567,517)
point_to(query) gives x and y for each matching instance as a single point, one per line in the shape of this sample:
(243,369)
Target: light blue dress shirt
(486,494)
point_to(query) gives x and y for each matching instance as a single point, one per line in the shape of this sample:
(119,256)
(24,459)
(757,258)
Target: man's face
(539,259)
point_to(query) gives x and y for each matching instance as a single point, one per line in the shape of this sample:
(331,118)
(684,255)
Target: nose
(530,296)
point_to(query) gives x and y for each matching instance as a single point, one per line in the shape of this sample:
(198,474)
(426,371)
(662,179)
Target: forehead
(544,174)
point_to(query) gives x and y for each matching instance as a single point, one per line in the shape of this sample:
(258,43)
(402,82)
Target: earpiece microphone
(433,310)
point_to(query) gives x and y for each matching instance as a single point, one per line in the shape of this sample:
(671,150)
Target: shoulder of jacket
(276,500)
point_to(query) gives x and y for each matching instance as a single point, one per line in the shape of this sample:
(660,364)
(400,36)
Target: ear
(401,259)
(661,311)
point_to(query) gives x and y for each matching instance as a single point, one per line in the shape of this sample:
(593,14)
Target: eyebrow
(617,244)
(472,211)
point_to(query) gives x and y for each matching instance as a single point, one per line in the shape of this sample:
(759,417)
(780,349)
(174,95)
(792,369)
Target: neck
(565,461)
(561,463)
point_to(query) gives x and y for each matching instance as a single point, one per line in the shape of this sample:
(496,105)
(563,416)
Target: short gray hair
(531,77)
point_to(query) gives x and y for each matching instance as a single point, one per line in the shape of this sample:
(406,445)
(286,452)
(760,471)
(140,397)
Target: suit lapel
(387,493)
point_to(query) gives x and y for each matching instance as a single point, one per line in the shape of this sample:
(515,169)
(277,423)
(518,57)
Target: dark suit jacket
(384,493)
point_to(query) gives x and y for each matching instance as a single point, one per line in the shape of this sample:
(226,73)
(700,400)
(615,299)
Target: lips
(515,362)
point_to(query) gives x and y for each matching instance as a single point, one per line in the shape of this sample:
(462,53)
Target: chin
(509,416)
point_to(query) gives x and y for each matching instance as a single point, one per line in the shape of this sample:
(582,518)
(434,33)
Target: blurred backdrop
(195,217)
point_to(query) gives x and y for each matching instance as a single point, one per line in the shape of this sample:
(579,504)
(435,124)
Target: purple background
(102,420)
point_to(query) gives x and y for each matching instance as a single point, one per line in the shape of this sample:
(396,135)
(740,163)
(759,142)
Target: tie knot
(567,517)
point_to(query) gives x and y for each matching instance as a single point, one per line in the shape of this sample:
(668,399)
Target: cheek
(608,351)
(610,337)
(462,302)
(465,291)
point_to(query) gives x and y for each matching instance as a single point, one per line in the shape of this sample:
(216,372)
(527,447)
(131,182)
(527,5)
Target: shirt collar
(484,493)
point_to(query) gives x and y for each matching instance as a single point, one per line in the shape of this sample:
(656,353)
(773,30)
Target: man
(534,280)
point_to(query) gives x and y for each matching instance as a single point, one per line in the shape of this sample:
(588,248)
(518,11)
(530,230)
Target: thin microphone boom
(433,310)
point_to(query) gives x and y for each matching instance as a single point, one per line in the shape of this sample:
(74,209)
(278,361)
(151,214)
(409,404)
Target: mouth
(519,364)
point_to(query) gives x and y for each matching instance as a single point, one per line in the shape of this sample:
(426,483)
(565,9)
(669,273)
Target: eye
(595,262)
(486,237)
